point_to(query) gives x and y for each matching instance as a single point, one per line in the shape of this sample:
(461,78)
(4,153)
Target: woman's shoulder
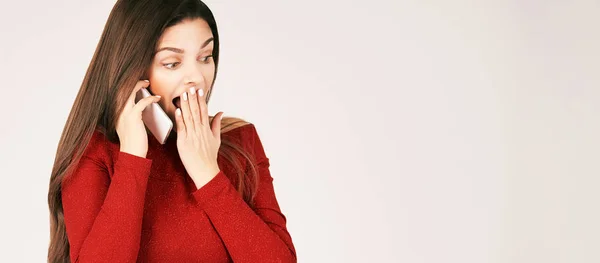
(229,124)
(99,146)
(243,133)
(237,130)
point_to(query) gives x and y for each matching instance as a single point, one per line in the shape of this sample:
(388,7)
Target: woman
(118,195)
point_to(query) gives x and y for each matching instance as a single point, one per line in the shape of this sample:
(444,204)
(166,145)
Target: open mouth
(177,102)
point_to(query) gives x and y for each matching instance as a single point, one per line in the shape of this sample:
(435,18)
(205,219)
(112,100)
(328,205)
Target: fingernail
(178,112)
(200,92)
(147,80)
(158,96)
(192,90)
(185,96)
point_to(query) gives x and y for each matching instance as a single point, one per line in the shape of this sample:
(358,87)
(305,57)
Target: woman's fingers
(181,130)
(194,114)
(143,103)
(215,126)
(186,113)
(138,86)
(195,109)
(203,107)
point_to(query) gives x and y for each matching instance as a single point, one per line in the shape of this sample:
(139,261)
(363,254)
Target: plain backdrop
(398,131)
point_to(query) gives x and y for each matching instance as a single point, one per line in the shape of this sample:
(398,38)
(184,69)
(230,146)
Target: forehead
(193,32)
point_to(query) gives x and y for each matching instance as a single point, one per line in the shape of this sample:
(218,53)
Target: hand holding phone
(155,118)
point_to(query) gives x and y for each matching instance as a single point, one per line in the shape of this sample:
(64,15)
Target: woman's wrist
(203,176)
(137,152)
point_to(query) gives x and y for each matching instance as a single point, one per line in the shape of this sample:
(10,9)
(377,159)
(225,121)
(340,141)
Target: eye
(206,59)
(171,65)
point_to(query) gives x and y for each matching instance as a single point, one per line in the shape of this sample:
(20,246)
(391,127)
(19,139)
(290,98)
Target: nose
(193,77)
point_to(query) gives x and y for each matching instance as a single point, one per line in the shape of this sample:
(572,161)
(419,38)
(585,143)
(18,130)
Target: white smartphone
(155,118)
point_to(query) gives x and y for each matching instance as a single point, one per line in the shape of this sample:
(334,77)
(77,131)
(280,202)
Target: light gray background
(399,131)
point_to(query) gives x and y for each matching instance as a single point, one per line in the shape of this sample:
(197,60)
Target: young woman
(117,195)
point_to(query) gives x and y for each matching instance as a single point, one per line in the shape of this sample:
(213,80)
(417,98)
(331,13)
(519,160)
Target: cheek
(160,86)
(162,82)
(209,77)
(164,85)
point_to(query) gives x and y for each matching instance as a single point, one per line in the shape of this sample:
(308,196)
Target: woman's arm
(258,235)
(103,215)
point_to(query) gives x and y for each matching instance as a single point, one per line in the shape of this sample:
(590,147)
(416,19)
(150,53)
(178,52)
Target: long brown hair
(122,57)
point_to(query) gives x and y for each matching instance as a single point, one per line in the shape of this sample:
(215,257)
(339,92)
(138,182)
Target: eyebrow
(181,51)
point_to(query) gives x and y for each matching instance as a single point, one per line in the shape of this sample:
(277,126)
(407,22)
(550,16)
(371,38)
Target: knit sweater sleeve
(250,235)
(103,212)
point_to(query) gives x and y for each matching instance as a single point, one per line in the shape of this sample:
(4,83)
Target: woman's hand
(133,138)
(198,141)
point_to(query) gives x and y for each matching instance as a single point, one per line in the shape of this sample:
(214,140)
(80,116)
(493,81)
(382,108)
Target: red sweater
(120,207)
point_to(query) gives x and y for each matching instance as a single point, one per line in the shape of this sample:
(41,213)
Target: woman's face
(182,60)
